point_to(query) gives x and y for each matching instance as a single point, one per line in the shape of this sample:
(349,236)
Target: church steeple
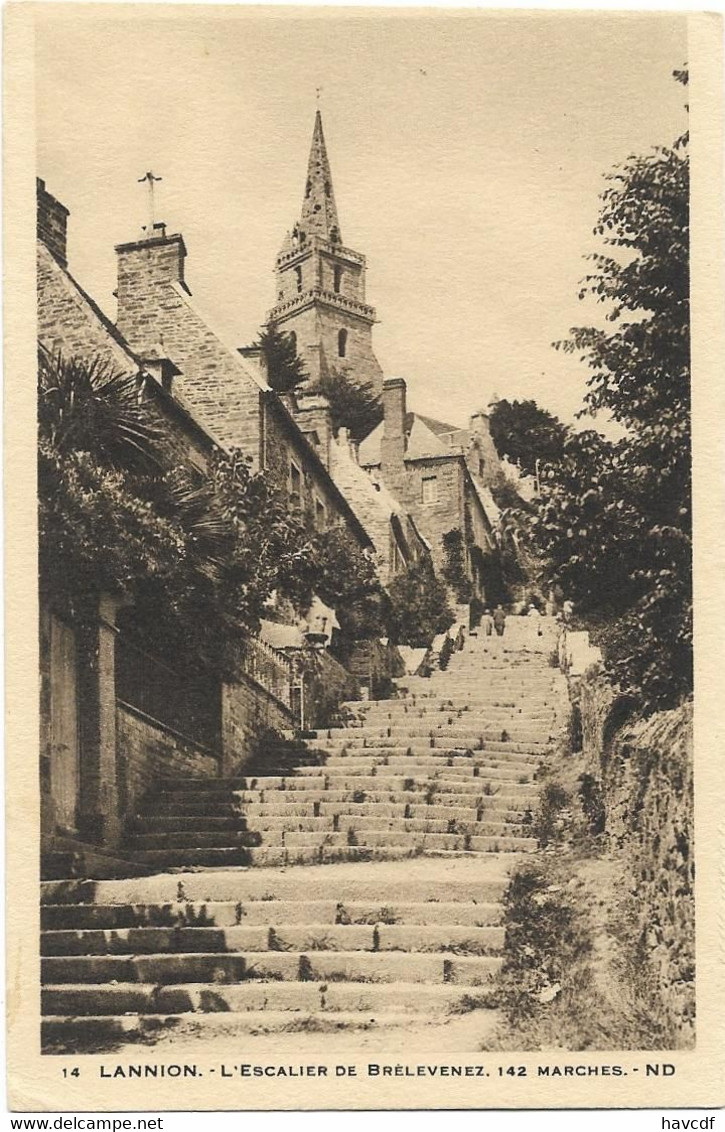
(319,214)
(321,284)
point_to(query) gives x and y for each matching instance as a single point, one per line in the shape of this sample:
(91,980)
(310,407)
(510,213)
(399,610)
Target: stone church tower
(321,284)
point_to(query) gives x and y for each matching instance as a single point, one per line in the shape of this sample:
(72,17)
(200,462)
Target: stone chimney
(314,420)
(52,223)
(478,423)
(144,267)
(393,444)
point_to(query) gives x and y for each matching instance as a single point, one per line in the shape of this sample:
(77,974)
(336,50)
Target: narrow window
(298,274)
(430,489)
(342,343)
(293,340)
(481,466)
(337,280)
(295,484)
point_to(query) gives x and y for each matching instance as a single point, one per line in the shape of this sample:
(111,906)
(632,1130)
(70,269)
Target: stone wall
(147,751)
(645,771)
(248,711)
(327,685)
(374,664)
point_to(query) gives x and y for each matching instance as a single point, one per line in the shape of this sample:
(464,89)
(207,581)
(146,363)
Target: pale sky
(467,156)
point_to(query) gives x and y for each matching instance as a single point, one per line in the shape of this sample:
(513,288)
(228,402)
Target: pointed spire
(319,214)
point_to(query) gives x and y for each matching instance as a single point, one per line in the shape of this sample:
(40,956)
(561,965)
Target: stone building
(320,284)
(117,712)
(226,392)
(440,475)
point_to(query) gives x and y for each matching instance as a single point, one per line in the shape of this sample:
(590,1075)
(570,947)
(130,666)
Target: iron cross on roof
(150,179)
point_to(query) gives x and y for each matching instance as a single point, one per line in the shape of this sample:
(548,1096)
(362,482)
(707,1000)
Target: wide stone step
(280,803)
(270,856)
(90,1035)
(402,881)
(365,835)
(433,768)
(391,734)
(491,740)
(230,913)
(506,794)
(265,827)
(275,936)
(86,1001)
(317,966)
(260,816)
(350,783)
(492,811)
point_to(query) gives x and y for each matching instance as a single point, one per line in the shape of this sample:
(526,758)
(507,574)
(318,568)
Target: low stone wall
(146,751)
(644,768)
(248,710)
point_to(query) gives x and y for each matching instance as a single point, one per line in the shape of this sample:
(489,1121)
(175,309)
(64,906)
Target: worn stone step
(335,820)
(350,782)
(317,966)
(275,936)
(414,731)
(230,913)
(92,1034)
(501,755)
(273,831)
(83,1000)
(492,811)
(408,881)
(271,856)
(282,802)
(167,848)
(419,767)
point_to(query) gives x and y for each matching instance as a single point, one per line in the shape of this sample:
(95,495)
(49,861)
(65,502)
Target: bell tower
(321,284)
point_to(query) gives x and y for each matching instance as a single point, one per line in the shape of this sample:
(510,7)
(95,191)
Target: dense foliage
(615,517)
(196,555)
(285,370)
(353,404)
(454,569)
(419,608)
(527,434)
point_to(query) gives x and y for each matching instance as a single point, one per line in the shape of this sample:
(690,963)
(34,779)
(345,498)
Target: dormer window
(342,343)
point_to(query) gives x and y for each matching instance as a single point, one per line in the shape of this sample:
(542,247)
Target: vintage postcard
(364,663)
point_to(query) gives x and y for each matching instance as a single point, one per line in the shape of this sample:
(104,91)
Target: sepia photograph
(364,602)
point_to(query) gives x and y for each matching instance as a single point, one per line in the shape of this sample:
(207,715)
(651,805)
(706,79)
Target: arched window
(298,274)
(341,343)
(337,280)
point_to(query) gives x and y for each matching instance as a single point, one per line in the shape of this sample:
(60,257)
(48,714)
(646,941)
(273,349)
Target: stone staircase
(417,807)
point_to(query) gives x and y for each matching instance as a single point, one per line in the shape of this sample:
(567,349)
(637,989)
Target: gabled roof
(426,437)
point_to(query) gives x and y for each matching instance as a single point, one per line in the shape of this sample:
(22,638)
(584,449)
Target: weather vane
(151,179)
